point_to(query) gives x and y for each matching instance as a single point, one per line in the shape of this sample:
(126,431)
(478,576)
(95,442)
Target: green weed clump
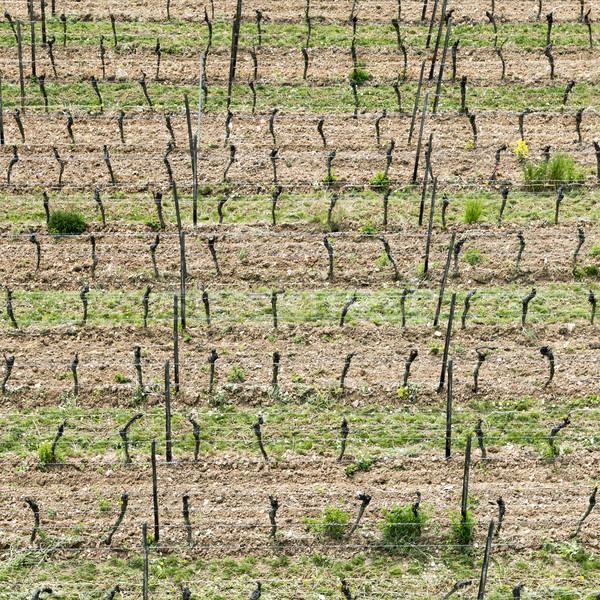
(561,169)
(380,182)
(473,210)
(331,522)
(463,530)
(402,524)
(63,222)
(45,455)
(360,76)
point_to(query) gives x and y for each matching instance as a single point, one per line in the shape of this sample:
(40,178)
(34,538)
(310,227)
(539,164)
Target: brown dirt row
(311,355)
(327,65)
(226,497)
(369,10)
(301,158)
(251,257)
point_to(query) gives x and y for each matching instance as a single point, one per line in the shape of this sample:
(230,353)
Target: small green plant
(473,210)
(590,270)
(364,463)
(63,222)
(401,524)
(329,179)
(236,374)
(359,75)
(434,347)
(595,249)
(472,256)
(45,455)
(350,470)
(368,229)
(380,182)
(383,260)
(120,378)
(298,339)
(332,522)
(104,503)
(561,169)
(463,530)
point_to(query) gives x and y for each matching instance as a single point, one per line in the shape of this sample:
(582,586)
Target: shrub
(63,222)
(473,210)
(400,525)
(359,76)
(380,182)
(332,522)
(463,531)
(561,169)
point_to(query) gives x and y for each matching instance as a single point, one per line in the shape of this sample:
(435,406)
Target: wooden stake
(442,65)
(465,486)
(441,296)
(414,115)
(486,561)
(145,551)
(155,492)
(428,244)
(447,342)
(20,53)
(449,412)
(176,343)
(169,454)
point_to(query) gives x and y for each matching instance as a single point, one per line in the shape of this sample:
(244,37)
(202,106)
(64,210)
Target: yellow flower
(521,149)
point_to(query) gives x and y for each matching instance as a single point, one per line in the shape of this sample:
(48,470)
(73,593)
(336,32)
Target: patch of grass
(360,76)
(402,524)
(368,229)
(590,270)
(561,169)
(331,522)
(63,222)
(473,210)
(45,455)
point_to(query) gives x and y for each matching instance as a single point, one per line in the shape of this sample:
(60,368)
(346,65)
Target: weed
(380,182)
(561,169)
(350,470)
(590,270)
(63,222)
(463,530)
(298,339)
(364,463)
(360,76)
(473,210)
(329,179)
(434,347)
(472,256)
(120,378)
(401,524)
(368,229)
(236,374)
(331,523)
(595,250)
(383,260)
(45,455)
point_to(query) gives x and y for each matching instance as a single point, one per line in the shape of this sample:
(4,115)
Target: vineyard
(299,300)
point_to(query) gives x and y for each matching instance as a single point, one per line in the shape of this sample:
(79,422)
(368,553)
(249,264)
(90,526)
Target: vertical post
(417,97)
(176,342)
(414,178)
(43,17)
(200,98)
(20,53)
(442,65)
(441,296)
(465,487)
(427,169)
(428,245)
(33,69)
(145,551)
(176,202)
(1,114)
(183,275)
(447,342)
(169,455)
(449,413)
(486,561)
(155,493)
(188,117)
(235,34)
